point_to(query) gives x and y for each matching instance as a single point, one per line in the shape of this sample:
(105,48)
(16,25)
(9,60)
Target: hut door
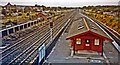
(87,44)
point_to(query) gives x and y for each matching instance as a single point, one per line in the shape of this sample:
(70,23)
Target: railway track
(44,39)
(18,55)
(26,42)
(111,33)
(34,51)
(26,38)
(28,33)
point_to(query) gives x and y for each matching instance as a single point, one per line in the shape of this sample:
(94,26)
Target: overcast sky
(68,3)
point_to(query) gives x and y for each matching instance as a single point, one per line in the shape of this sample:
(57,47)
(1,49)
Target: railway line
(34,50)
(19,42)
(18,35)
(27,37)
(54,35)
(26,48)
(26,41)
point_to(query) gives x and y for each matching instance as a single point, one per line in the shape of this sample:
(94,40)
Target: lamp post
(51,26)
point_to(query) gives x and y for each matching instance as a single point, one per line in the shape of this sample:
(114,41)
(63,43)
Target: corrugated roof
(94,28)
(87,26)
(74,28)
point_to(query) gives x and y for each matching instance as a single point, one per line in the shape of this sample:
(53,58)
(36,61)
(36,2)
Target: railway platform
(62,53)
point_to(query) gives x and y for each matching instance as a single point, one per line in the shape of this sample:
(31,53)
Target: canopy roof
(83,26)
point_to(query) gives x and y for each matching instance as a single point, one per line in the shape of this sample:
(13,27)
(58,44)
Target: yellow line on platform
(86,24)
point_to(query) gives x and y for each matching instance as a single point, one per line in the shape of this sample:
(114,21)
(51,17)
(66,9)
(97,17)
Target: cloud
(69,3)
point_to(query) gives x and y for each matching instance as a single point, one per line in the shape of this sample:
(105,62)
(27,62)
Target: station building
(86,35)
(42,15)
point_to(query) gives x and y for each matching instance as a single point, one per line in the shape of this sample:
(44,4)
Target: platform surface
(63,50)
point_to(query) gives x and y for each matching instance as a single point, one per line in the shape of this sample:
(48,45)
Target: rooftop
(82,25)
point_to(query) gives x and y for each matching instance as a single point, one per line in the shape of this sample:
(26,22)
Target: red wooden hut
(86,35)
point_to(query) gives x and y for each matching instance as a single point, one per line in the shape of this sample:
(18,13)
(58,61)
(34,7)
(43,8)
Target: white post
(51,26)
(13,29)
(19,28)
(30,23)
(27,25)
(23,26)
(33,22)
(17,17)
(51,34)
(7,31)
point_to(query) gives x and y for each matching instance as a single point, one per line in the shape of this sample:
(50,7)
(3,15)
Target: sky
(67,3)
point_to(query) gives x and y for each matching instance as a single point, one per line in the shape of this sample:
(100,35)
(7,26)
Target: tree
(28,14)
(64,7)
(14,10)
(34,10)
(84,7)
(20,10)
(3,11)
(19,14)
(27,9)
(59,8)
(94,8)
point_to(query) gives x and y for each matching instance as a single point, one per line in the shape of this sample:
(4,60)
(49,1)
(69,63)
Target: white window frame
(78,41)
(97,42)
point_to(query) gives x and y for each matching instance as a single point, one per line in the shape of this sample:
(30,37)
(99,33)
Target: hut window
(96,42)
(87,41)
(78,41)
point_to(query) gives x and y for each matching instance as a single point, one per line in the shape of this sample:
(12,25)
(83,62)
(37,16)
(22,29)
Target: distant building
(42,16)
(107,13)
(9,6)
